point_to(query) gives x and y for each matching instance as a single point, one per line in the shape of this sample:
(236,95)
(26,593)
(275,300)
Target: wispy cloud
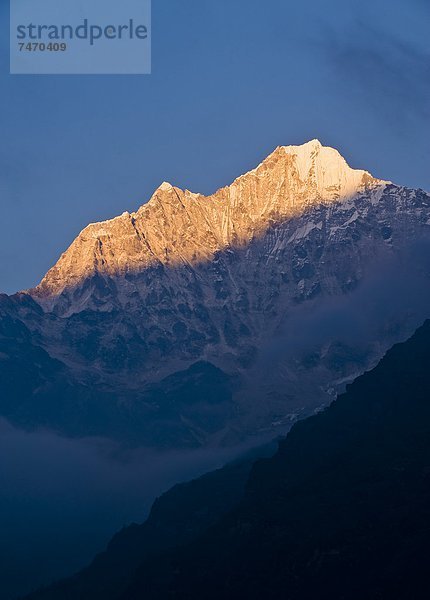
(376,66)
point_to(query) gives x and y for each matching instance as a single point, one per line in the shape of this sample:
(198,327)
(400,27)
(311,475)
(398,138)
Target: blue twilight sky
(231,80)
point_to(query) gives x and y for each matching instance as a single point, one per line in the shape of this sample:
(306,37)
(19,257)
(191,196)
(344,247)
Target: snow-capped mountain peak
(178,227)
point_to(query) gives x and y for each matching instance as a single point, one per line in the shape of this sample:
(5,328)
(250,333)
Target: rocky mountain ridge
(180,228)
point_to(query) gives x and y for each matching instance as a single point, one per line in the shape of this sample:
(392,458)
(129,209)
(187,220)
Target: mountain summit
(208,320)
(178,227)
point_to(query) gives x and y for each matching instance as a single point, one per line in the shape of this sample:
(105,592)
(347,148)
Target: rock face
(220,281)
(178,228)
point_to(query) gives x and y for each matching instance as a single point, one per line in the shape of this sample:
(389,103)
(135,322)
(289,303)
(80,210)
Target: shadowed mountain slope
(236,288)
(340,512)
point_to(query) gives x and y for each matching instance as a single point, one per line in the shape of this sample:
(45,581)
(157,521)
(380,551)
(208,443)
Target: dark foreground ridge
(176,518)
(342,511)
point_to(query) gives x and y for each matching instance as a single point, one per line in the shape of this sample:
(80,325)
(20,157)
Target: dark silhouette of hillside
(341,511)
(176,518)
